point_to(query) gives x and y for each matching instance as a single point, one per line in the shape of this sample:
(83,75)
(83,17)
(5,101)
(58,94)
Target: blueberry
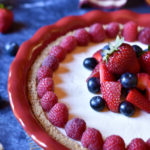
(90,63)
(106,47)
(138,50)
(11,48)
(128,80)
(97,103)
(126,108)
(93,85)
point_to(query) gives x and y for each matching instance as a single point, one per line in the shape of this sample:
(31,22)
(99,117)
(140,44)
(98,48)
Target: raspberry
(114,142)
(112,29)
(130,31)
(144,36)
(92,139)
(44,72)
(97,32)
(82,37)
(148,144)
(46,84)
(58,52)
(51,61)
(137,144)
(58,115)
(75,128)
(48,100)
(69,43)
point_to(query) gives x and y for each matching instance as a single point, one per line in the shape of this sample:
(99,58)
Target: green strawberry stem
(2,6)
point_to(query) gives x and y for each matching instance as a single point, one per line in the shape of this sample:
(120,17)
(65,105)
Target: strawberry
(121,58)
(105,75)
(97,55)
(6,19)
(145,62)
(111,92)
(95,72)
(144,83)
(137,99)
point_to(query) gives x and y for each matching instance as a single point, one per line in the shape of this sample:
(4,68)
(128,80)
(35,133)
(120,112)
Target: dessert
(73,95)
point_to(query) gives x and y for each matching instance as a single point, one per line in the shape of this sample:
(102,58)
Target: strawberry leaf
(2,5)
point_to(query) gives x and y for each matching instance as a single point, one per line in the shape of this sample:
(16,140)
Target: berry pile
(114,69)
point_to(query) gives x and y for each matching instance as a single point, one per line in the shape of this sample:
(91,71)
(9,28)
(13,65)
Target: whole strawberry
(6,19)
(121,58)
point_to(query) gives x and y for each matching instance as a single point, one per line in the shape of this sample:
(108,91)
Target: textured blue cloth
(30,15)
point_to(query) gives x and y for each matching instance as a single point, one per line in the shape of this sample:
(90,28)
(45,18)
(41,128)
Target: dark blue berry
(106,47)
(138,50)
(90,63)
(124,92)
(128,80)
(97,103)
(93,85)
(11,48)
(126,108)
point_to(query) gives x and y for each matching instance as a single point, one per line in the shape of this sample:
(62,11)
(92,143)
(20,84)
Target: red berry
(58,115)
(112,29)
(82,37)
(145,62)
(137,99)
(58,52)
(97,56)
(48,100)
(46,84)
(148,144)
(111,92)
(69,43)
(114,142)
(44,72)
(144,35)
(130,31)
(92,139)
(97,32)
(75,128)
(6,20)
(51,61)
(137,144)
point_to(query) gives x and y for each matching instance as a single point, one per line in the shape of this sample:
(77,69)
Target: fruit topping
(75,128)
(11,48)
(90,63)
(69,43)
(93,85)
(82,37)
(121,58)
(58,115)
(114,142)
(51,61)
(137,144)
(92,139)
(58,52)
(111,92)
(97,32)
(137,99)
(48,100)
(46,84)
(126,108)
(130,31)
(97,56)
(105,75)
(112,29)
(128,80)
(145,62)
(138,50)
(44,72)
(144,35)
(148,143)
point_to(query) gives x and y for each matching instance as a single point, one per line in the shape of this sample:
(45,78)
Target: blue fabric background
(30,15)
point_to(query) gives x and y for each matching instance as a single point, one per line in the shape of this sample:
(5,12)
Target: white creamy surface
(71,89)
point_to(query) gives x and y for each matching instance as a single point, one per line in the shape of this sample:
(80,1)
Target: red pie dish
(25,82)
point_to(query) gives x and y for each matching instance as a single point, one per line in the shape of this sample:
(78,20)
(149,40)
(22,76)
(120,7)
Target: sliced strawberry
(144,83)
(111,93)
(97,56)
(95,73)
(105,75)
(137,99)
